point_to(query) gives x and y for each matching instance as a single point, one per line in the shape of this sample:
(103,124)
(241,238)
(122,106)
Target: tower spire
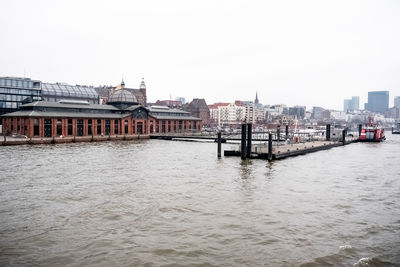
(256,100)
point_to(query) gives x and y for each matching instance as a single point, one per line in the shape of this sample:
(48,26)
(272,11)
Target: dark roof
(68,105)
(164,109)
(166,117)
(60,114)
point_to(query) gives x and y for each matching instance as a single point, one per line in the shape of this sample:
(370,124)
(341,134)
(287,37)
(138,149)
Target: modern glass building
(378,101)
(397,101)
(17,91)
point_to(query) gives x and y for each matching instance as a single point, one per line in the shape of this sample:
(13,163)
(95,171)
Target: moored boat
(372,132)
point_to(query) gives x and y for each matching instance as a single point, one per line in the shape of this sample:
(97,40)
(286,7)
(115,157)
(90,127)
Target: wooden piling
(249,136)
(278,133)
(219,144)
(344,136)
(287,131)
(243,142)
(328,132)
(269,147)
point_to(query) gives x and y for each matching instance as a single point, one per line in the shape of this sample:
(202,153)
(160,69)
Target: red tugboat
(371,132)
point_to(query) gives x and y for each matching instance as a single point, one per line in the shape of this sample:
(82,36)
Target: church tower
(256,100)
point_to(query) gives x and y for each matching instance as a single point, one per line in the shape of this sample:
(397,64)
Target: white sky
(292,52)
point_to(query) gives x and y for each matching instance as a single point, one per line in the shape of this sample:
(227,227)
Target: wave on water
(345,256)
(371,262)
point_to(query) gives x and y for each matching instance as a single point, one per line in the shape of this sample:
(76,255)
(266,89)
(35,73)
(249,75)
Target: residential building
(227,114)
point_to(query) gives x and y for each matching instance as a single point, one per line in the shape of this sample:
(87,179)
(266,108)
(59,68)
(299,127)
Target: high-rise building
(378,101)
(397,101)
(351,104)
(346,105)
(355,103)
(298,111)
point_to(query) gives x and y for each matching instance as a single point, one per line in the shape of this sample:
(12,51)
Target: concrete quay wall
(13,141)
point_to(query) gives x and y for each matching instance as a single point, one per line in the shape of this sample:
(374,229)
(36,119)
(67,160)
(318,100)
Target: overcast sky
(292,52)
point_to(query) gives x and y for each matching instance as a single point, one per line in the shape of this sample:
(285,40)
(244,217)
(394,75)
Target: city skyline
(309,53)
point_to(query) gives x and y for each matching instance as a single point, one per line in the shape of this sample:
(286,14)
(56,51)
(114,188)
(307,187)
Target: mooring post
(360,129)
(328,132)
(269,147)
(243,142)
(344,136)
(249,136)
(278,133)
(219,144)
(287,131)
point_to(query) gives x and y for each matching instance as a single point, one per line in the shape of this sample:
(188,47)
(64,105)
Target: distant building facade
(317,113)
(378,101)
(352,104)
(169,103)
(397,101)
(199,108)
(227,114)
(298,111)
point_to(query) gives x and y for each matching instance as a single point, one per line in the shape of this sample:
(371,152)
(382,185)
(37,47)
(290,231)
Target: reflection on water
(159,202)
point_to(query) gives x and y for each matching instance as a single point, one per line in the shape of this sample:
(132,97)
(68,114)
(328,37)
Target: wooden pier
(288,148)
(282,151)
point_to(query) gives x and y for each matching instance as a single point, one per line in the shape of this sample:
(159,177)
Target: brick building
(121,116)
(199,108)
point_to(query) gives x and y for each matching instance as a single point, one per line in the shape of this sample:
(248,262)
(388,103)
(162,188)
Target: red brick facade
(48,127)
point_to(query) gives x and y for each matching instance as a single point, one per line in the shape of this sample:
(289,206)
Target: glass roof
(66,90)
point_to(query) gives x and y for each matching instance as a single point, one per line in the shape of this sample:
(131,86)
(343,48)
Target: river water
(156,203)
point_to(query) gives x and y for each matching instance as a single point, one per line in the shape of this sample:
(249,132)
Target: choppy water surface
(174,203)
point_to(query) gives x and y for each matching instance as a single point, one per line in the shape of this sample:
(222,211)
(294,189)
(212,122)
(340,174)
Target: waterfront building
(15,91)
(106,91)
(198,108)
(121,116)
(378,101)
